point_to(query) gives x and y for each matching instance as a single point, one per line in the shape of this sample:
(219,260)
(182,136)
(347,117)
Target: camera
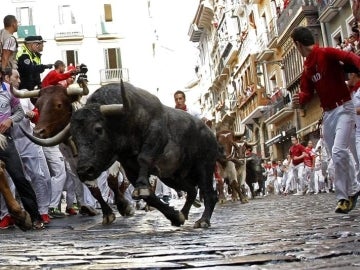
(82,73)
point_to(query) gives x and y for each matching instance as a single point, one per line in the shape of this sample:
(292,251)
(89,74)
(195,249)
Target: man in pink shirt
(324,73)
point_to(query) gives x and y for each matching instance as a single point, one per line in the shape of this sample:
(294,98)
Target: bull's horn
(55,140)
(111,109)
(24,93)
(252,143)
(239,135)
(74,91)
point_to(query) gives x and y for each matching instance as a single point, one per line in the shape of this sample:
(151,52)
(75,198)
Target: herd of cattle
(123,123)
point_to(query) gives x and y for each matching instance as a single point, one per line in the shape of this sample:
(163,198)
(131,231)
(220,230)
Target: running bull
(124,123)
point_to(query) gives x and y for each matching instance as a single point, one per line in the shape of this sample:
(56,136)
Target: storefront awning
(306,130)
(273,140)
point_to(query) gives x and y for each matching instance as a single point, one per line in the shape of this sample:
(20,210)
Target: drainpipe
(323,33)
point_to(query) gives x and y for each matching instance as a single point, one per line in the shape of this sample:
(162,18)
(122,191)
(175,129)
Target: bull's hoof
(86,210)
(222,201)
(108,219)
(23,221)
(202,223)
(128,211)
(244,200)
(141,193)
(180,220)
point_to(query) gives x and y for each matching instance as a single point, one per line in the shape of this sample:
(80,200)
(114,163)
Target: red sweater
(54,77)
(324,73)
(296,151)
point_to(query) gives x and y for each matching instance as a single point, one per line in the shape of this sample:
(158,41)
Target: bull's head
(90,129)
(55,104)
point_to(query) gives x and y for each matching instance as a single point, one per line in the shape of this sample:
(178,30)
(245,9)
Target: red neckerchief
(355,87)
(184,108)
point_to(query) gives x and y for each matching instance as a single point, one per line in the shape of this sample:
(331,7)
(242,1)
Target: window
(66,16)
(336,38)
(24,15)
(112,58)
(108,13)
(71,57)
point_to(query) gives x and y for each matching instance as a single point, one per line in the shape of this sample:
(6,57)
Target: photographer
(59,74)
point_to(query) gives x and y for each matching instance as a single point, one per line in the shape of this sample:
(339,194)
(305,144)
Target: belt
(336,104)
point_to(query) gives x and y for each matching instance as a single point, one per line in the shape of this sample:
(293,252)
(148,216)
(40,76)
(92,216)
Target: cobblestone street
(273,232)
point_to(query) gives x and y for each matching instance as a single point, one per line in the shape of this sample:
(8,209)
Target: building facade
(250,67)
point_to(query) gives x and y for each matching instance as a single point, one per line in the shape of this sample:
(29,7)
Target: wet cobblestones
(273,232)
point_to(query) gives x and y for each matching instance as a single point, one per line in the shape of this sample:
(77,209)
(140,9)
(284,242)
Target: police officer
(29,63)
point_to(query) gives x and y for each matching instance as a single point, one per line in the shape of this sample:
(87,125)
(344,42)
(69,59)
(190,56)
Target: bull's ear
(125,99)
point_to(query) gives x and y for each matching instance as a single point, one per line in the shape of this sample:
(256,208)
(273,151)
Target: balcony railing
(69,32)
(276,106)
(262,41)
(114,75)
(272,33)
(202,20)
(107,30)
(289,13)
(250,103)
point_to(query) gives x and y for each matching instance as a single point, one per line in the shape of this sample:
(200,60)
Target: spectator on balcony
(338,123)
(8,43)
(29,63)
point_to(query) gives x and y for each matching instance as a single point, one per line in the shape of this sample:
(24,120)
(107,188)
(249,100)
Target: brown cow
(233,167)
(21,217)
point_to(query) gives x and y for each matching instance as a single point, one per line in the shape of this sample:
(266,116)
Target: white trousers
(56,164)
(338,130)
(36,170)
(299,176)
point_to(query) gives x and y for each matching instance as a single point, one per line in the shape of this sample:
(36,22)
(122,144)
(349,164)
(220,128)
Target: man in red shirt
(309,161)
(58,74)
(297,153)
(324,73)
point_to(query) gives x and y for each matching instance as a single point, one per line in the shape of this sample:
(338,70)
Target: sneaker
(45,218)
(6,222)
(353,200)
(71,211)
(56,213)
(75,206)
(343,206)
(38,225)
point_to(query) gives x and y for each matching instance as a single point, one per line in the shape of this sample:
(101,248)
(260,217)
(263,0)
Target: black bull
(147,137)
(253,172)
